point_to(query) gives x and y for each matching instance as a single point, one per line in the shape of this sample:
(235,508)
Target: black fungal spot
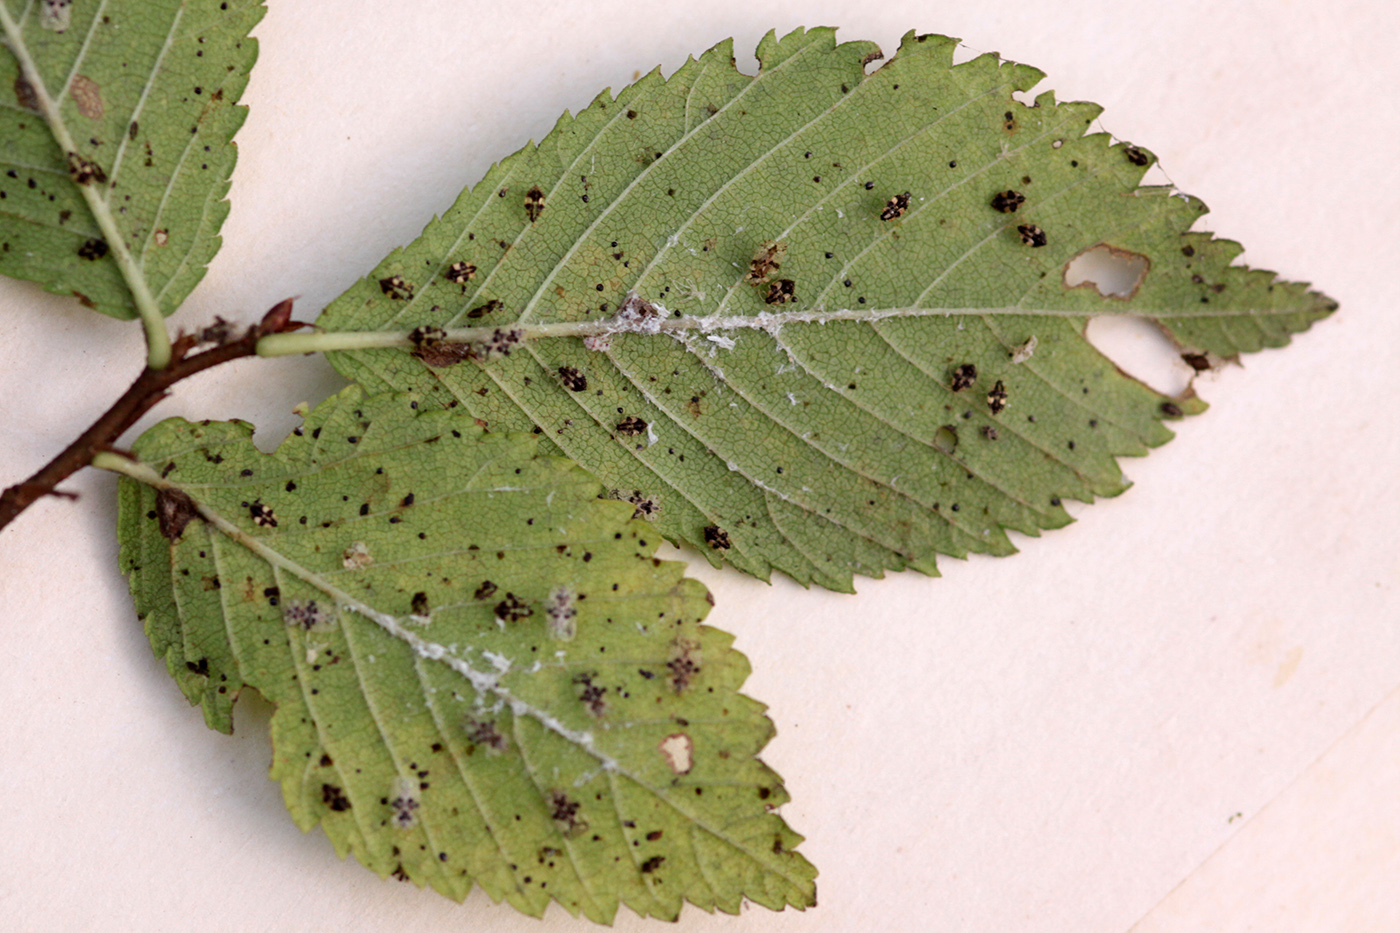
(486,590)
(781,292)
(420,604)
(989,432)
(460,273)
(396,288)
(631,426)
(93,249)
(200,667)
(997,398)
(174,509)
(572,379)
(1008,120)
(652,864)
(717,538)
(1136,155)
(1031,235)
(1008,201)
(334,798)
(896,207)
(534,203)
(964,376)
(513,609)
(1171,410)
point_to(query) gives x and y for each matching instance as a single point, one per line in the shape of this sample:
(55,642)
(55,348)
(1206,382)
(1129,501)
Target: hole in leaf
(1116,273)
(1140,349)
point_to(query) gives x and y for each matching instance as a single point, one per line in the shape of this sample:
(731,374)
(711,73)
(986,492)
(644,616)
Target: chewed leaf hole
(1116,273)
(1139,348)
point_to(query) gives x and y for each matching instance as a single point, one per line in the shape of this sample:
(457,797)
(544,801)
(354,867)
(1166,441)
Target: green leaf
(829,328)
(480,672)
(115,144)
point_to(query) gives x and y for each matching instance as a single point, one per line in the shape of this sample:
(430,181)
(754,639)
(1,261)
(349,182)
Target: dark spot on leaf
(652,864)
(262,515)
(396,288)
(1171,410)
(895,207)
(84,171)
(513,609)
(93,249)
(1136,155)
(997,398)
(572,379)
(334,798)
(1031,235)
(534,203)
(631,426)
(460,273)
(489,307)
(420,603)
(717,538)
(781,292)
(766,260)
(1007,201)
(964,376)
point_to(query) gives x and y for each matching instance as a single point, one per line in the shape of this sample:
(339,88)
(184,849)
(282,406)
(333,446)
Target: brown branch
(148,389)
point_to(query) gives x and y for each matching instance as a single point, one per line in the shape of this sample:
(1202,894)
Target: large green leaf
(480,672)
(115,143)
(842,339)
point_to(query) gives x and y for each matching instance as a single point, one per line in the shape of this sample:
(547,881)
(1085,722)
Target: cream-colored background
(1180,713)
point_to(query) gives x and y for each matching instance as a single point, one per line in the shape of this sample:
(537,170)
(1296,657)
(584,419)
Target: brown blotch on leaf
(85,171)
(25,95)
(717,538)
(572,379)
(895,207)
(485,591)
(174,509)
(1171,410)
(419,604)
(1031,235)
(766,260)
(87,95)
(997,399)
(534,203)
(1007,201)
(431,346)
(781,292)
(964,376)
(631,426)
(396,288)
(262,515)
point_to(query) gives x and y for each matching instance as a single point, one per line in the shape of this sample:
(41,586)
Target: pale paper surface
(1051,742)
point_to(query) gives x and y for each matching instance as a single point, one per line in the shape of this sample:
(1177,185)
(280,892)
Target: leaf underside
(145,92)
(480,672)
(822,449)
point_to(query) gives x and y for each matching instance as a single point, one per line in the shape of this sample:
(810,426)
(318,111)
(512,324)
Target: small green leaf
(115,144)
(481,674)
(831,325)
